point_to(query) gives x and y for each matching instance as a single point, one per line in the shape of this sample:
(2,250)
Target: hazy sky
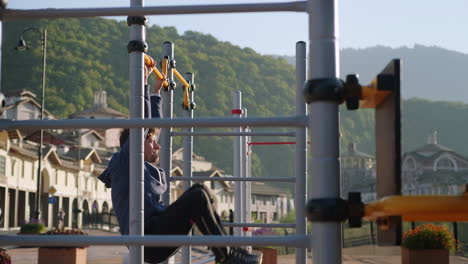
(363,23)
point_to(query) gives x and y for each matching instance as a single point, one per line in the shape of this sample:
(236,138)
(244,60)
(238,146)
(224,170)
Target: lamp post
(23,46)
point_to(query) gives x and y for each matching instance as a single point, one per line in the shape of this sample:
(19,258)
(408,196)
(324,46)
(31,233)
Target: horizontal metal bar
(208,260)
(228,224)
(300,241)
(287,121)
(16,14)
(254,179)
(221,133)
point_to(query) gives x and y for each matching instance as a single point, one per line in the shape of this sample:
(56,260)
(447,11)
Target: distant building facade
(268,203)
(357,173)
(433,169)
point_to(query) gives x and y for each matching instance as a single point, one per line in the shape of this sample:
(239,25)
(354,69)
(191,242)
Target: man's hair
(126,133)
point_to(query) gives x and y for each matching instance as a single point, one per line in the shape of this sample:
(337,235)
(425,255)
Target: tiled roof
(429,149)
(98,110)
(22,151)
(262,188)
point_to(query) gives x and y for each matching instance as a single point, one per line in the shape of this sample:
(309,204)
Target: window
(445,164)
(66,179)
(273,200)
(2,165)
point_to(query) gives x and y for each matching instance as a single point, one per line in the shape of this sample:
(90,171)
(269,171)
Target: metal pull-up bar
(415,208)
(273,143)
(17,14)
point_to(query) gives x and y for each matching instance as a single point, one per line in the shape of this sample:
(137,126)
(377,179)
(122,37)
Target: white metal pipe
(324,134)
(136,187)
(165,137)
(226,133)
(301,150)
(237,165)
(152,240)
(187,166)
(287,121)
(21,14)
(254,179)
(209,260)
(228,224)
(248,184)
(243,160)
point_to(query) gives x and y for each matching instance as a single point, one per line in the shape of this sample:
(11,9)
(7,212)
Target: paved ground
(113,255)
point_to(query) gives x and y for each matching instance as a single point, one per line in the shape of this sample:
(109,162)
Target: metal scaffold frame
(323,62)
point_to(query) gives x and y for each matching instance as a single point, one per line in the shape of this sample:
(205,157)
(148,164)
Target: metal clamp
(137,20)
(172,64)
(336,210)
(324,89)
(327,210)
(137,45)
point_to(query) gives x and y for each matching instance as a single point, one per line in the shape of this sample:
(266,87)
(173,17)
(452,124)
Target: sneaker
(241,256)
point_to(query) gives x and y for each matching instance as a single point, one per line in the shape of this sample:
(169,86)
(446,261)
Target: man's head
(151,146)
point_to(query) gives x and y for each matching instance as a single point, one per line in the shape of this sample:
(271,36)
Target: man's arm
(153,99)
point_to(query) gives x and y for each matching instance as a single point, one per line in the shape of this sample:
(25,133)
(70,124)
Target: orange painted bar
(420,208)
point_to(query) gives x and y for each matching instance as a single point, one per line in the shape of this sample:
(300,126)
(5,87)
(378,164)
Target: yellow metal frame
(186,87)
(164,65)
(371,97)
(148,62)
(420,208)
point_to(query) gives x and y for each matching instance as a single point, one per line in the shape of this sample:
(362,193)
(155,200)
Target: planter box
(62,255)
(270,255)
(424,256)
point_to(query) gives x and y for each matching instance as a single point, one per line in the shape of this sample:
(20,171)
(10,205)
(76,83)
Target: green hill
(85,55)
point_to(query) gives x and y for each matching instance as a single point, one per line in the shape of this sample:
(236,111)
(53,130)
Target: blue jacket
(117,176)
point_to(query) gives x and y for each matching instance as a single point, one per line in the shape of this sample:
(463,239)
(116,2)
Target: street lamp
(22,45)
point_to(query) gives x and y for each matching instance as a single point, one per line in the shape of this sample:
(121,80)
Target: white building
(433,169)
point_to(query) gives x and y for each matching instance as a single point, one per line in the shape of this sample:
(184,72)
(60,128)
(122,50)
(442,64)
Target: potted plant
(427,244)
(33,227)
(63,255)
(270,254)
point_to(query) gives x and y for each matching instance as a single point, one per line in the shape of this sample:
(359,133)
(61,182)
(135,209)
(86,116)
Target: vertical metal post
(243,174)
(188,151)
(324,126)
(246,186)
(137,33)
(39,154)
(165,137)
(301,151)
(237,169)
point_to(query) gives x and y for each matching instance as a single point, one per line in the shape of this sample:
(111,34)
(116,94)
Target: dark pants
(195,206)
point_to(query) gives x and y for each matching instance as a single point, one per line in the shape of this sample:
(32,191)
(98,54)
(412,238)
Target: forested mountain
(85,55)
